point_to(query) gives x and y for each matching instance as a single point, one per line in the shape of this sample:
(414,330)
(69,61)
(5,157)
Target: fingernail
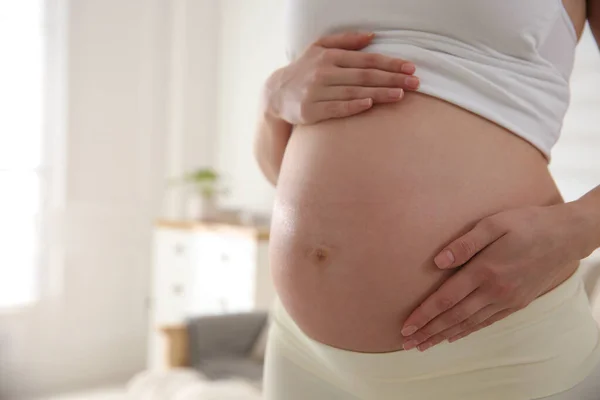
(371,35)
(412,82)
(444,259)
(411,344)
(408,68)
(409,330)
(367,103)
(425,346)
(396,94)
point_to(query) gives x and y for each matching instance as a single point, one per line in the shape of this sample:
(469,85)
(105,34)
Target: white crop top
(506,60)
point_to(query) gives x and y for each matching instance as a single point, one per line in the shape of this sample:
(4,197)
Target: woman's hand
(332,79)
(510,259)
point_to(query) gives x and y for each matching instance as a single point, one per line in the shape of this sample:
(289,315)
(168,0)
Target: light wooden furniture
(203,269)
(177,347)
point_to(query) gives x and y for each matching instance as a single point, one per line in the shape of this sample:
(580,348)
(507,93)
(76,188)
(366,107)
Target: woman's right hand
(332,79)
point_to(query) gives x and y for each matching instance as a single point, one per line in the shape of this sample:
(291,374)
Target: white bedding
(184,384)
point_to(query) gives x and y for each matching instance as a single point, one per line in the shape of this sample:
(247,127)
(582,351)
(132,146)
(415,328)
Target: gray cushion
(228,336)
(260,345)
(227,367)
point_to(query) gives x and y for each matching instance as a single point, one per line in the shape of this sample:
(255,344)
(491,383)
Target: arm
(507,260)
(589,217)
(593,16)
(589,205)
(271,140)
(332,79)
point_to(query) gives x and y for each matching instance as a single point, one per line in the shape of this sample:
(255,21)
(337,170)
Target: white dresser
(202,269)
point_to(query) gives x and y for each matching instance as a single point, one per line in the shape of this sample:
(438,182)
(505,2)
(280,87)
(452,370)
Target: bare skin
(365,202)
(508,259)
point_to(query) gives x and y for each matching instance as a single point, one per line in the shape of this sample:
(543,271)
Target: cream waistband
(544,349)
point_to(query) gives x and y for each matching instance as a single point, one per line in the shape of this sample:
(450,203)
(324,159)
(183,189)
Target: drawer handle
(179,249)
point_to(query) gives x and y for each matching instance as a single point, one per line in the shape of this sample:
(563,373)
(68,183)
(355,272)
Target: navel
(320,255)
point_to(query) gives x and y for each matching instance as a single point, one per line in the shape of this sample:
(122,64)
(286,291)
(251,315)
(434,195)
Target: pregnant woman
(409,143)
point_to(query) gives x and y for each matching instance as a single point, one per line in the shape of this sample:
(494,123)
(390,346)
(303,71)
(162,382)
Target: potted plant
(205,188)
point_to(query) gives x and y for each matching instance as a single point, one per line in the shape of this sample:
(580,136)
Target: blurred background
(133,218)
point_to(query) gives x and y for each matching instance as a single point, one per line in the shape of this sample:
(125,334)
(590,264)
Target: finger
(456,288)
(345,93)
(463,311)
(494,318)
(353,59)
(370,78)
(340,109)
(434,341)
(475,320)
(462,327)
(465,247)
(346,40)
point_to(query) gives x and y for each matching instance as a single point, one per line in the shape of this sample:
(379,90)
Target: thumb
(346,40)
(468,245)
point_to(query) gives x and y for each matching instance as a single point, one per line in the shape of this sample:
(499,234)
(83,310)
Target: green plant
(205,181)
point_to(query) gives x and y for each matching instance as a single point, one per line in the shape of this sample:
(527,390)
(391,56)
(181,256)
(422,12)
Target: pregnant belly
(364,204)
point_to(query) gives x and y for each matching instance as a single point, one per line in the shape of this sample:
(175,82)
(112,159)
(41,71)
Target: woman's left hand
(508,260)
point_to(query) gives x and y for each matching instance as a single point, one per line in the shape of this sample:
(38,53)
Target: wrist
(274,120)
(584,217)
(270,101)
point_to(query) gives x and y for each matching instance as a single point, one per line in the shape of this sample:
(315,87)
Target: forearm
(586,212)
(588,207)
(593,15)
(270,142)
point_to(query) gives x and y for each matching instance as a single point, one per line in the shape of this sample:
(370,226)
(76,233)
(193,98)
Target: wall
(91,328)
(251,47)
(192,93)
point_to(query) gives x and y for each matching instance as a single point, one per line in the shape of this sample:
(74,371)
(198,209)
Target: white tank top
(506,60)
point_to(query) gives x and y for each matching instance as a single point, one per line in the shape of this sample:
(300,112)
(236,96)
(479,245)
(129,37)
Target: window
(22,171)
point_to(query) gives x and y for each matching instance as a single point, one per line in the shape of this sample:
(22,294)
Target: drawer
(216,256)
(203,272)
(170,304)
(237,251)
(172,258)
(172,246)
(171,275)
(223,273)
